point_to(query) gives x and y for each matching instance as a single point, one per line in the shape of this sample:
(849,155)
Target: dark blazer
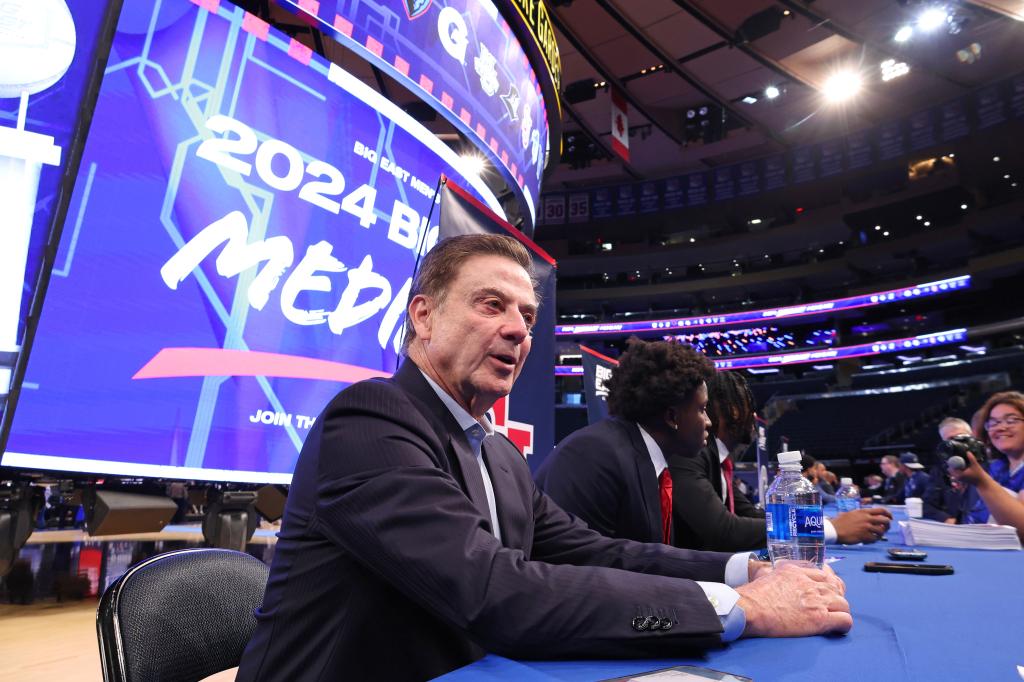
(702,520)
(386,567)
(894,489)
(603,474)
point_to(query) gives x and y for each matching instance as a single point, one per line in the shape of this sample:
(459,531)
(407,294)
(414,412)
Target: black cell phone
(907,554)
(920,569)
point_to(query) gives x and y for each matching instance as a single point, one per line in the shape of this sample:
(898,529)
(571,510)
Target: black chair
(179,616)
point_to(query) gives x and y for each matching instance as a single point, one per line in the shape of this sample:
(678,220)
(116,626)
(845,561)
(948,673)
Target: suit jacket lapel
(460,456)
(646,480)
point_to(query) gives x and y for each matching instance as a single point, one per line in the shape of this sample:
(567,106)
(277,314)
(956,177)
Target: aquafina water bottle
(795,523)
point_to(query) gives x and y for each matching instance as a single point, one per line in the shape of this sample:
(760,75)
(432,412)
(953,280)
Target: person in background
(892,491)
(709,510)
(1001,422)
(816,473)
(945,499)
(913,471)
(873,485)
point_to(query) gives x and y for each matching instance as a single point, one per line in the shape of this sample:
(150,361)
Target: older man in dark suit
(414,539)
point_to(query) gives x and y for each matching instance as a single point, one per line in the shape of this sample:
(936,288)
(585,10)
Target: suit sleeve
(698,511)
(384,497)
(588,487)
(744,507)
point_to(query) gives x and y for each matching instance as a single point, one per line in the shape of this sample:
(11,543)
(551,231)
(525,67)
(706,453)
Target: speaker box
(270,501)
(109,512)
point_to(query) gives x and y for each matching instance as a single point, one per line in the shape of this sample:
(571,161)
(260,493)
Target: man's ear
(421,309)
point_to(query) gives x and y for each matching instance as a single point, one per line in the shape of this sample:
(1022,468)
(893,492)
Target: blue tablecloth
(906,627)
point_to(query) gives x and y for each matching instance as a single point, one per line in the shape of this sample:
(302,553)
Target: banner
(527,415)
(597,370)
(247,220)
(47,53)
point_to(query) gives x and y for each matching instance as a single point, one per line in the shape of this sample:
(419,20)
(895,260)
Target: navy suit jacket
(603,474)
(386,567)
(702,521)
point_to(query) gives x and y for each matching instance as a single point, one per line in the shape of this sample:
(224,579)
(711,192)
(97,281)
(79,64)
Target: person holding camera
(946,499)
(1001,419)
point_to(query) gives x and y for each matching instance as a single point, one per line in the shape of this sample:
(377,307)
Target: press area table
(924,628)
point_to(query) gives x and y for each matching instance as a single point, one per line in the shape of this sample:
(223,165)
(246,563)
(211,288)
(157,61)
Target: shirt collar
(656,455)
(464,419)
(723,451)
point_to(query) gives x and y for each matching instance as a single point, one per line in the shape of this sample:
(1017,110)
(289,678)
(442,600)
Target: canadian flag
(620,125)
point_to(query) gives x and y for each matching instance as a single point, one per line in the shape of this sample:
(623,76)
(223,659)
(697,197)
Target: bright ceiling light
(771,92)
(904,34)
(750,99)
(472,164)
(842,86)
(893,69)
(932,18)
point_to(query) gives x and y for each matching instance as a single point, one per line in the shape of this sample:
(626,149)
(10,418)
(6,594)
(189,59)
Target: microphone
(956,462)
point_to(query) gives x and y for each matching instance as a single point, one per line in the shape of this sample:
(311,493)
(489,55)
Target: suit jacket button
(651,623)
(665,624)
(640,624)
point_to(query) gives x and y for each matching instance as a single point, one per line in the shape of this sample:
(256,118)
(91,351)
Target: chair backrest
(180,616)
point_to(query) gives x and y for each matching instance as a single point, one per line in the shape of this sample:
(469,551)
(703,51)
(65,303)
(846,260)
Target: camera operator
(945,499)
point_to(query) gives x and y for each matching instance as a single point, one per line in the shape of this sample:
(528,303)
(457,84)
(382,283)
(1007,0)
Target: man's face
(888,468)
(947,432)
(692,423)
(475,342)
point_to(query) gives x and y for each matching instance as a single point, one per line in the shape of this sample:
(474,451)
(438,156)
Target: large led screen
(249,219)
(462,57)
(47,49)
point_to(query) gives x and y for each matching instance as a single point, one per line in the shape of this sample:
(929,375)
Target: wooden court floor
(52,642)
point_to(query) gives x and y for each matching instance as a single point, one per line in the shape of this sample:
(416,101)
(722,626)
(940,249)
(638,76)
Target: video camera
(953,452)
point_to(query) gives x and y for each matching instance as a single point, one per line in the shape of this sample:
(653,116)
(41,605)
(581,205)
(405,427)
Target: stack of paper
(972,536)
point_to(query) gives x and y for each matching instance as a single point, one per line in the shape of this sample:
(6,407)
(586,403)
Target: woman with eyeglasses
(1002,429)
(1000,425)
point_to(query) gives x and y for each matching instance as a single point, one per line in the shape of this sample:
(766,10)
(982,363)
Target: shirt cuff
(724,600)
(737,569)
(830,533)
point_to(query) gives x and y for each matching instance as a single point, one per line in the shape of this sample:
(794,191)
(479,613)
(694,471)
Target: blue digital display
(462,57)
(800,310)
(823,355)
(47,49)
(246,221)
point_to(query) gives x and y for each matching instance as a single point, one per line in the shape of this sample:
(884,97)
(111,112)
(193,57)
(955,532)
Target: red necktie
(727,470)
(665,489)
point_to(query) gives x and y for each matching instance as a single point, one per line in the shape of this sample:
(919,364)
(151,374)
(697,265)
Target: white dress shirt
(476,431)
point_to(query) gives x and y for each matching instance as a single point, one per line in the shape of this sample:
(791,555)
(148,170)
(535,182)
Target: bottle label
(807,522)
(776,519)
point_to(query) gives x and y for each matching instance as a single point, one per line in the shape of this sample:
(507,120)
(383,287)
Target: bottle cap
(789,457)
(845,481)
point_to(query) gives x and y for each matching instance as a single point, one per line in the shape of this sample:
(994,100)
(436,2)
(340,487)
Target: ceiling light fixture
(842,86)
(771,92)
(904,34)
(932,18)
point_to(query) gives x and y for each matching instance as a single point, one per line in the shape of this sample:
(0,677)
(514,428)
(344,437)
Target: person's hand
(862,525)
(756,568)
(973,474)
(951,520)
(793,601)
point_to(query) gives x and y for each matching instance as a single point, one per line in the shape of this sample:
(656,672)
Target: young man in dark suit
(414,540)
(710,512)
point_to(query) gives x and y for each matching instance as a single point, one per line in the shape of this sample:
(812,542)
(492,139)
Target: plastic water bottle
(848,495)
(795,523)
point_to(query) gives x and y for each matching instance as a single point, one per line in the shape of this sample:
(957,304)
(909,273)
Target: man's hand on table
(862,525)
(793,601)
